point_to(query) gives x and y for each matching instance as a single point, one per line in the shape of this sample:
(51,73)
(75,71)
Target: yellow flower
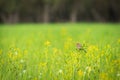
(47,43)
(80,73)
(25,52)
(117,62)
(92,48)
(102,53)
(108,46)
(43,64)
(35,78)
(55,50)
(118,41)
(14,56)
(10,55)
(67,45)
(103,76)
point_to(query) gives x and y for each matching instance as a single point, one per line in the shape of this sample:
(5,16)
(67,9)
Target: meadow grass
(49,52)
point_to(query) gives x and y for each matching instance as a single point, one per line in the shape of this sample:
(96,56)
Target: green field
(49,52)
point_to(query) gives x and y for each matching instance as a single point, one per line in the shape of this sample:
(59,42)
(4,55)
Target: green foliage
(48,52)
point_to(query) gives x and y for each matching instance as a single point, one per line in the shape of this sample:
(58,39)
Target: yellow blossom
(14,55)
(92,48)
(108,46)
(35,78)
(103,76)
(25,51)
(118,41)
(42,64)
(47,43)
(55,50)
(80,73)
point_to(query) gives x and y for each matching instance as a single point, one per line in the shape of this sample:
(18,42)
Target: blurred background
(44,11)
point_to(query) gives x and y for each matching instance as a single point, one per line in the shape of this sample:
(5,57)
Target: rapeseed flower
(25,52)
(92,48)
(103,76)
(42,64)
(47,43)
(35,78)
(55,50)
(118,41)
(80,73)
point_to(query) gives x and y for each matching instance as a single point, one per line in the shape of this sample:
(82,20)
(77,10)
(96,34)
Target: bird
(79,47)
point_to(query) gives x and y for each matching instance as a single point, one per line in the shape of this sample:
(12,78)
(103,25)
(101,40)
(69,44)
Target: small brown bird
(78,46)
